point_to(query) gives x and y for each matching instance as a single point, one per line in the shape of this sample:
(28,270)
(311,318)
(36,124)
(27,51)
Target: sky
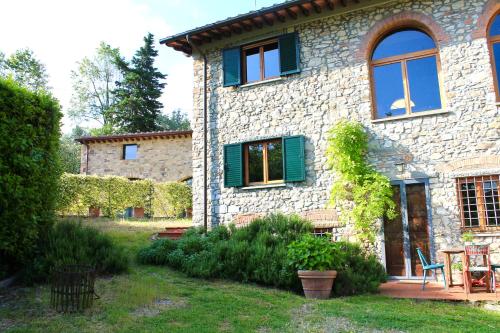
(62,32)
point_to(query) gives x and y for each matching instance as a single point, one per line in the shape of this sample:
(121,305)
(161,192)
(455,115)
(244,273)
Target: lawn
(158,299)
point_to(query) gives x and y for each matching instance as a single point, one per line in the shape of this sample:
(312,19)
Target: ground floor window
(264,162)
(479,201)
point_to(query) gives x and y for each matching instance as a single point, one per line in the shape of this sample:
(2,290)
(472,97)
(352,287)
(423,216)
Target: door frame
(404,219)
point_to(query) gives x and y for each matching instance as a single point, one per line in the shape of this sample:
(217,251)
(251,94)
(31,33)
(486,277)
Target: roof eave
(290,10)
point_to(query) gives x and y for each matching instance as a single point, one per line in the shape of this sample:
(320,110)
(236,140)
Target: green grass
(158,299)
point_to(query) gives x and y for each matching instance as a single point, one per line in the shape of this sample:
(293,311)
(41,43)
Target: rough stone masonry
(461,139)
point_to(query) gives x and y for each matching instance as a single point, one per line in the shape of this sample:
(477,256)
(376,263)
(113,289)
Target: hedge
(114,194)
(29,171)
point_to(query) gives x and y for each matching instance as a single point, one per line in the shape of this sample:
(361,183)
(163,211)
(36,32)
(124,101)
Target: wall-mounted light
(400,166)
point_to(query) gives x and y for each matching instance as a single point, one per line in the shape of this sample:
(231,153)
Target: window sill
(483,232)
(258,187)
(260,82)
(409,116)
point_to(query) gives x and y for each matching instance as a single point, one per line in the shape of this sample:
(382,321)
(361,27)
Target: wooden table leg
(465,275)
(447,270)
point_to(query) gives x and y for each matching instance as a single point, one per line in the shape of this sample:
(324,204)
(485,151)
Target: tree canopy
(25,69)
(138,107)
(177,121)
(94,82)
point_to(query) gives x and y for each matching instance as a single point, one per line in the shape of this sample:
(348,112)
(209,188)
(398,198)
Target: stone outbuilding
(160,156)
(420,75)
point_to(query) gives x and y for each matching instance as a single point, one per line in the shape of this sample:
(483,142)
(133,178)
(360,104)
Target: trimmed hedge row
(114,194)
(29,170)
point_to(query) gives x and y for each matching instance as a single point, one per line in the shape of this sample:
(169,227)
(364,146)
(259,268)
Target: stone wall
(334,84)
(157,159)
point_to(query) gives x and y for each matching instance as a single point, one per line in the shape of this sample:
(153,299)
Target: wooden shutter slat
(288,45)
(294,159)
(233,165)
(231,66)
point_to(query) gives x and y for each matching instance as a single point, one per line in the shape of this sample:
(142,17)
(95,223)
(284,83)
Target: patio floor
(434,291)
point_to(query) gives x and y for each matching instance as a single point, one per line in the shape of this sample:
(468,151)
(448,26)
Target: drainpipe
(87,148)
(205,135)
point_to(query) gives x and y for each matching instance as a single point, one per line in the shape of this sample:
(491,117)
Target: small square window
(129,152)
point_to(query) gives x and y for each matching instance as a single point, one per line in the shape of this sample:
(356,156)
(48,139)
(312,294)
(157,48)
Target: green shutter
(294,159)
(231,66)
(233,165)
(289,54)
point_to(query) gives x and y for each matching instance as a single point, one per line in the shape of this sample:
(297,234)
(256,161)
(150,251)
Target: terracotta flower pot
(317,284)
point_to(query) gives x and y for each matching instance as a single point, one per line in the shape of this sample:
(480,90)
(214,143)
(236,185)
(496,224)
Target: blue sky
(61,32)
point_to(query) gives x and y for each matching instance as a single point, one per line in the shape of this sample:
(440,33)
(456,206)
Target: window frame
(478,182)
(265,163)
(403,59)
(493,40)
(260,46)
(124,150)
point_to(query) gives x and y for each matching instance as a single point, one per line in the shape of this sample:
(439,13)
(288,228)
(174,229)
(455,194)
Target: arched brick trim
(491,8)
(400,20)
(471,163)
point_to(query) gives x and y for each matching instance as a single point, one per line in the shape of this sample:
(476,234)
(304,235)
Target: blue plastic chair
(427,267)
(494,267)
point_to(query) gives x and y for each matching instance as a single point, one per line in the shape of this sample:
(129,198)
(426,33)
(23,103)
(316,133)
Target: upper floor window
(405,76)
(479,201)
(261,61)
(494,44)
(130,152)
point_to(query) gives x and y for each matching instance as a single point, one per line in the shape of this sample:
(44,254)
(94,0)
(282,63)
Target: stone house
(160,156)
(418,74)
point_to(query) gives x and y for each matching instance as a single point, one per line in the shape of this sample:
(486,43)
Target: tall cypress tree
(138,94)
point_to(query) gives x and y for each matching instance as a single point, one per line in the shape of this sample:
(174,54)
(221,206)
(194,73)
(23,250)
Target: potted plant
(313,257)
(468,238)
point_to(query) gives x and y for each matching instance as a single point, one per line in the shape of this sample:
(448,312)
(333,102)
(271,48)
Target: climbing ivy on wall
(362,194)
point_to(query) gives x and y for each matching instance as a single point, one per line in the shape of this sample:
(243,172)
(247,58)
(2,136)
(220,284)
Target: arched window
(405,79)
(494,43)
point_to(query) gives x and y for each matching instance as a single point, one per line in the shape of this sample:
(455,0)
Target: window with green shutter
(264,162)
(294,158)
(289,53)
(231,66)
(233,165)
(261,61)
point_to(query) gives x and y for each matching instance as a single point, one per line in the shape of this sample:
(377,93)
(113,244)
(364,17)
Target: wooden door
(417,225)
(394,239)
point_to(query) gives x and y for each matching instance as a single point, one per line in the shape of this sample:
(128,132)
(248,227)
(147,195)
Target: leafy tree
(138,94)
(177,121)
(69,150)
(25,69)
(104,130)
(94,82)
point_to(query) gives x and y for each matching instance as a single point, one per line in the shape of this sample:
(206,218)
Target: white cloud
(63,32)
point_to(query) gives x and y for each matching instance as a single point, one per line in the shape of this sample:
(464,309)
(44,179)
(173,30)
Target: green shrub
(262,251)
(357,271)
(255,253)
(312,254)
(70,243)
(29,171)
